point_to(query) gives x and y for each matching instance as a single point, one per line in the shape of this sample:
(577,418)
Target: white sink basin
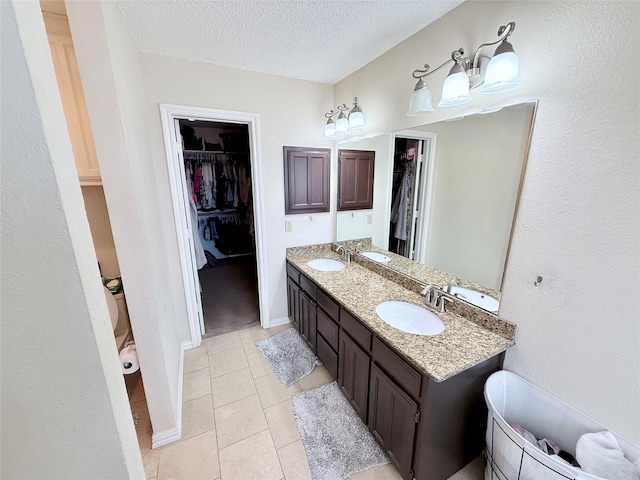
(476,298)
(410,318)
(326,264)
(375,256)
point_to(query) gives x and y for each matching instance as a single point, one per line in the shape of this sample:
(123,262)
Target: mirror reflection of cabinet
(356,179)
(72,95)
(306,180)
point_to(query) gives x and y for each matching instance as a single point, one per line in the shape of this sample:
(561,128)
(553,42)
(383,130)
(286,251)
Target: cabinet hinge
(417,416)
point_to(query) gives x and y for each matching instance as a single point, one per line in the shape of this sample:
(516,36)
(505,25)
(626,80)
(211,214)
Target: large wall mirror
(446,194)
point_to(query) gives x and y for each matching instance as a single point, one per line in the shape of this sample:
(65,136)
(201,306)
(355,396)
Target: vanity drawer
(397,368)
(328,305)
(308,286)
(293,273)
(328,356)
(358,332)
(327,327)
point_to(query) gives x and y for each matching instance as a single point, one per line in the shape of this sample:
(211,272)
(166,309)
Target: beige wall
(98,216)
(65,412)
(291,113)
(578,222)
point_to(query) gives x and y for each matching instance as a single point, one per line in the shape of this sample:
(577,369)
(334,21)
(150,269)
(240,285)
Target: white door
(191,230)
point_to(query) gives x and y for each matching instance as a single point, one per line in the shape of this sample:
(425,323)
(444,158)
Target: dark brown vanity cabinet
(293,302)
(308,325)
(429,430)
(353,374)
(393,416)
(356,179)
(306,179)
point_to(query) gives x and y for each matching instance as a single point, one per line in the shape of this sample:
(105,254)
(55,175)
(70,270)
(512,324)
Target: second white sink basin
(326,264)
(410,318)
(375,256)
(476,298)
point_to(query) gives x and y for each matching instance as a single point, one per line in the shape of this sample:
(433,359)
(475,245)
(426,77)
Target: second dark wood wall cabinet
(306,179)
(356,179)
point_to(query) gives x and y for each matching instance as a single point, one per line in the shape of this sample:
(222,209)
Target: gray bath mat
(289,356)
(338,444)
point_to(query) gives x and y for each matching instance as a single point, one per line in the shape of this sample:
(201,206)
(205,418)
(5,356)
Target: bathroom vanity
(421,396)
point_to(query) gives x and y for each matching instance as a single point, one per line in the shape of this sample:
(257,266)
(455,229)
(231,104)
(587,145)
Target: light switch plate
(288,226)
(370,218)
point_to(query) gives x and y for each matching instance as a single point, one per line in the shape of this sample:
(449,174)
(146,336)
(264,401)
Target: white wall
(353,224)
(478,163)
(578,221)
(65,412)
(110,71)
(291,113)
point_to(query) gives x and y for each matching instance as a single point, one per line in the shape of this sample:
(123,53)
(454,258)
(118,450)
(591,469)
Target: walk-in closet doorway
(215,184)
(411,181)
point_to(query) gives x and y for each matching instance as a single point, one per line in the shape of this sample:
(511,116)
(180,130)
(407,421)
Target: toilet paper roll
(129,359)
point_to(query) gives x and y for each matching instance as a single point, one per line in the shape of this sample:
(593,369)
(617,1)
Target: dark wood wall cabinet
(306,179)
(429,430)
(356,179)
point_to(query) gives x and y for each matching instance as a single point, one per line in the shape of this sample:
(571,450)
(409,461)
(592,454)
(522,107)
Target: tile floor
(237,419)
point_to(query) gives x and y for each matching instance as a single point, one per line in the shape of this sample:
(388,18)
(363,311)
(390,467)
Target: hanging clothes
(400,205)
(201,259)
(245,185)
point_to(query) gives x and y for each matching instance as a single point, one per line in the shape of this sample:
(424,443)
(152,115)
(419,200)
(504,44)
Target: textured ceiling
(318,40)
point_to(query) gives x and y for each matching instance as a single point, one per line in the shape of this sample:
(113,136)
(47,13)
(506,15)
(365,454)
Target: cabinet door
(293,303)
(306,180)
(353,374)
(356,179)
(392,420)
(308,321)
(73,101)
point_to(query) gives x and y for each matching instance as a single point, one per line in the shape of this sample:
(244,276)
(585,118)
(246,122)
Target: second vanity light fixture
(345,124)
(499,74)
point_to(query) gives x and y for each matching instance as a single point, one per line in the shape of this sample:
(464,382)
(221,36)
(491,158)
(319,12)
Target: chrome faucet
(359,245)
(344,253)
(431,295)
(455,281)
(437,298)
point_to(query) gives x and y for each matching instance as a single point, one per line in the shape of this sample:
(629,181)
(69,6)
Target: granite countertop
(463,344)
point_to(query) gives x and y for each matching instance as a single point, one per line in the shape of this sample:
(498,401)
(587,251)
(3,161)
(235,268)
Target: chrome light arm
(503,32)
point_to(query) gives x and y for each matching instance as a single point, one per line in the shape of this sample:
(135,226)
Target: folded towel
(599,454)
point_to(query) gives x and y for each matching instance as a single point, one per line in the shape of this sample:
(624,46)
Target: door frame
(428,170)
(173,151)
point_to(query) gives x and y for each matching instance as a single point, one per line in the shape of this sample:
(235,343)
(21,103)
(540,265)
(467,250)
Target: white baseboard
(165,437)
(276,322)
(174,434)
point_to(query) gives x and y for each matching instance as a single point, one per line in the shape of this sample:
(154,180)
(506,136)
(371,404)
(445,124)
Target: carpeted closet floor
(229,295)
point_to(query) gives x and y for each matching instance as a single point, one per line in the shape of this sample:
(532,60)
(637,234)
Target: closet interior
(218,183)
(407,178)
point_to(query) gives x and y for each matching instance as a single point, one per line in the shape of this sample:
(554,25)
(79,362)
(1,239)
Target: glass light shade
(455,90)
(502,74)
(342,124)
(329,128)
(356,119)
(420,101)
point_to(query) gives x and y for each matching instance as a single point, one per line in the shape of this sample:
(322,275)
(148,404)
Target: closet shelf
(214,213)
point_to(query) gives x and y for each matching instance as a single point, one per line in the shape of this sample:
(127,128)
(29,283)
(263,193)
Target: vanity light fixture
(498,74)
(344,124)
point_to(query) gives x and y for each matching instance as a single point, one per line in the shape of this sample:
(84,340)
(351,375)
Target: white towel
(599,454)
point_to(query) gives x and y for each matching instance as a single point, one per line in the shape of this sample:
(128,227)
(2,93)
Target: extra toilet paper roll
(129,359)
